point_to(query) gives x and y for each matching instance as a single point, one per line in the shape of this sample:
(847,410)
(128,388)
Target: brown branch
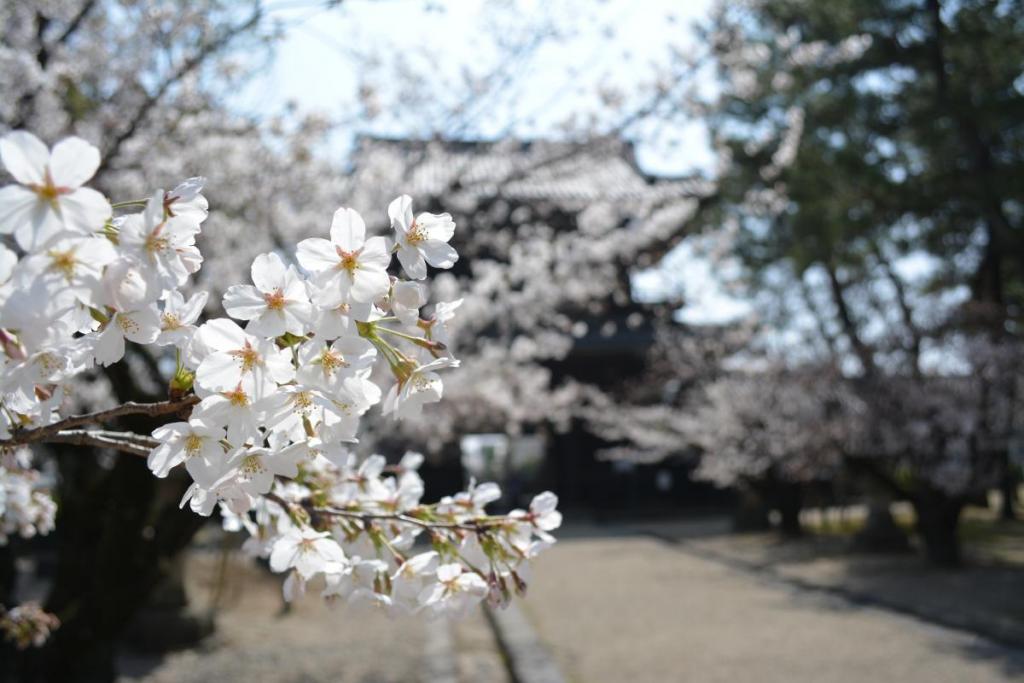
(903,301)
(46,434)
(477,526)
(191,64)
(75,22)
(860,349)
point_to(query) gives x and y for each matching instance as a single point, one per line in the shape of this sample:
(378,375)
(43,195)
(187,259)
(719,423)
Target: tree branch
(480,525)
(838,290)
(81,437)
(58,432)
(188,66)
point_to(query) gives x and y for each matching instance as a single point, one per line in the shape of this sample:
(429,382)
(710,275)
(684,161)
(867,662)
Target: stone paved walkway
(636,609)
(612,606)
(257,643)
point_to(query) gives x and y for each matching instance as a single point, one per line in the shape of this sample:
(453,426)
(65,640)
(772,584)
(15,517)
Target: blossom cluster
(271,396)
(27,625)
(26,508)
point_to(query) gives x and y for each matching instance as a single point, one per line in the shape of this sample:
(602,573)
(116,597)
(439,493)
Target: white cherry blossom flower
(257,467)
(238,411)
(73,263)
(49,199)
(350,260)
(185,442)
(326,366)
(232,357)
(472,501)
(457,590)
(437,328)
(225,490)
(423,385)
(308,552)
(278,302)
(186,201)
(539,520)
(300,405)
(335,310)
(423,239)
(126,286)
(177,320)
(141,326)
(165,244)
(406,299)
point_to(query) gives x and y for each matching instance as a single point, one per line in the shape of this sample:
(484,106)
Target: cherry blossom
(188,442)
(421,386)
(178,318)
(260,419)
(49,199)
(277,304)
(423,239)
(357,264)
(141,326)
(164,244)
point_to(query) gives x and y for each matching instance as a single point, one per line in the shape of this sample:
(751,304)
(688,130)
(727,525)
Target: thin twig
(477,526)
(83,437)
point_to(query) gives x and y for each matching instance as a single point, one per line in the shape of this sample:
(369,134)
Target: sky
(603,48)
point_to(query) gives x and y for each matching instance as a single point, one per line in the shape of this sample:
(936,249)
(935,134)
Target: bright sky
(603,46)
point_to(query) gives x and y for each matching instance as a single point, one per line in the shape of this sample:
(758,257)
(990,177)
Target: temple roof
(566,173)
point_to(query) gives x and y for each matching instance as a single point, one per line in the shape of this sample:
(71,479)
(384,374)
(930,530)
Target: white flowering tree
(146,83)
(863,253)
(262,418)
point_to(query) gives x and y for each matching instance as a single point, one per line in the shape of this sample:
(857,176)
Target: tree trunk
(789,501)
(751,509)
(938,516)
(1008,487)
(116,531)
(880,533)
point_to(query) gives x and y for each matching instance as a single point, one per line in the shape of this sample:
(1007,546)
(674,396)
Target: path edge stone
(529,661)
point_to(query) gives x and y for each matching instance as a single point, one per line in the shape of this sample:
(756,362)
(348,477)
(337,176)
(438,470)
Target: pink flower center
(275,300)
(348,260)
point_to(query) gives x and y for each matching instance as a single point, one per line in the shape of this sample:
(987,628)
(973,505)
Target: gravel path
(637,610)
(256,643)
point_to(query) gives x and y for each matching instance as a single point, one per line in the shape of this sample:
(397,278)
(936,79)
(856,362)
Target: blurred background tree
(874,161)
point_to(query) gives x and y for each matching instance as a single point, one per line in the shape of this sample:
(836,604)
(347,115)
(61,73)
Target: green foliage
(913,136)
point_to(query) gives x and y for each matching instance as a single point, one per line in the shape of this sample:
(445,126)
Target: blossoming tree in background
(263,418)
(147,83)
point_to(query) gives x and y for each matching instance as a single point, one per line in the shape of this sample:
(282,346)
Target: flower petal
(268,272)
(412,262)
(348,230)
(25,157)
(316,254)
(16,206)
(244,302)
(85,210)
(400,213)
(72,162)
(439,254)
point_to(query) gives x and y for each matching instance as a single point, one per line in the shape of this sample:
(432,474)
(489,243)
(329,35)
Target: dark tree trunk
(789,501)
(116,529)
(938,516)
(115,532)
(880,533)
(1008,487)
(752,510)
